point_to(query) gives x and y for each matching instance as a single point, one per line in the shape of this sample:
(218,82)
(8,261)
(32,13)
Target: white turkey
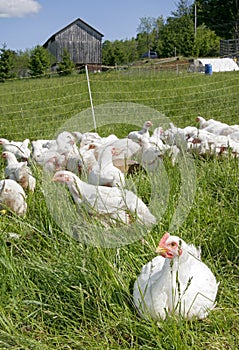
(120,205)
(20,149)
(13,197)
(19,171)
(175,283)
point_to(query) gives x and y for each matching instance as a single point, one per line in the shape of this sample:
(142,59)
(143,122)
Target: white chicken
(39,148)
(104,173)
(53,161)
(20,149)
(125,151)
(12,196)
(203,123)
(89,138)
(125,148)
(120,205)
(19,171)
(144,132)
(65,143)
(179,136)
(87,161)
(151,155)
(216,127)
(175,283)
(157,137)
(62,153)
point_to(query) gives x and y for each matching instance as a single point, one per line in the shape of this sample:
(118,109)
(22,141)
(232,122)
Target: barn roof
(69,25)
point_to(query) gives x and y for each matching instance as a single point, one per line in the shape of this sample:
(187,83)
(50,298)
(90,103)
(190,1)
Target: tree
(39,61)
(220,16)
(157,39)
(183,8)
(182,24)
(6,63)
(207,43)
(119,52)
(21,63)
(178,34)
(145,30)
(107,53)
(169,39)
(66,66)
(130,48)
(185,35)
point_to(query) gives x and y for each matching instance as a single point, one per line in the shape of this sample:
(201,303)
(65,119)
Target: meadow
(60,293)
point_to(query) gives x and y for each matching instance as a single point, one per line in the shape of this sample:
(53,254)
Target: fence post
(91,102)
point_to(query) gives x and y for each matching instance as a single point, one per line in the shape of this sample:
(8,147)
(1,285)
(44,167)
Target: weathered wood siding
(83,43)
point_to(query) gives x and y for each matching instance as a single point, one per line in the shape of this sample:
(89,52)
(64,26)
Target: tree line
(194,29)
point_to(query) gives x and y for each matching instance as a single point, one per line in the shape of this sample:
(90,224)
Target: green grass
(58,293)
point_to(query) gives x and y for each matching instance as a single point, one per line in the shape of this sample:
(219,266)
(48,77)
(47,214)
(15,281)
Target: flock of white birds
(94,170)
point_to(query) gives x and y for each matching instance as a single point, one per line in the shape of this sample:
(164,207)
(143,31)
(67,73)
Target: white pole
(91,102)
(195,20)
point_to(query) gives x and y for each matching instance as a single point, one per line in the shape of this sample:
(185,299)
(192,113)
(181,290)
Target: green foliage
(207,43)
(66,66)
(107,53)
(39,61)
(147,25)
(176,35)
(130,49)
(21,63)
(184,8)
(6,63)
(220,16)
(119,52)
(146,33)
(180,33)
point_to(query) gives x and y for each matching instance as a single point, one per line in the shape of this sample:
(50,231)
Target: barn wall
(81,41)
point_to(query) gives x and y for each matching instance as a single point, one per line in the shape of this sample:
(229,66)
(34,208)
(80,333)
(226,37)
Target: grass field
(58,293)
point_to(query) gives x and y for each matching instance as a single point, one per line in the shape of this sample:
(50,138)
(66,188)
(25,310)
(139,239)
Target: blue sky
(27,23)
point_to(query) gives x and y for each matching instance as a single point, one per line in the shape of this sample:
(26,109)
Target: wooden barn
(83,42)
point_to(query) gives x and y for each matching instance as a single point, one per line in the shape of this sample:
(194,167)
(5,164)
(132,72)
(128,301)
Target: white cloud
(18,8)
